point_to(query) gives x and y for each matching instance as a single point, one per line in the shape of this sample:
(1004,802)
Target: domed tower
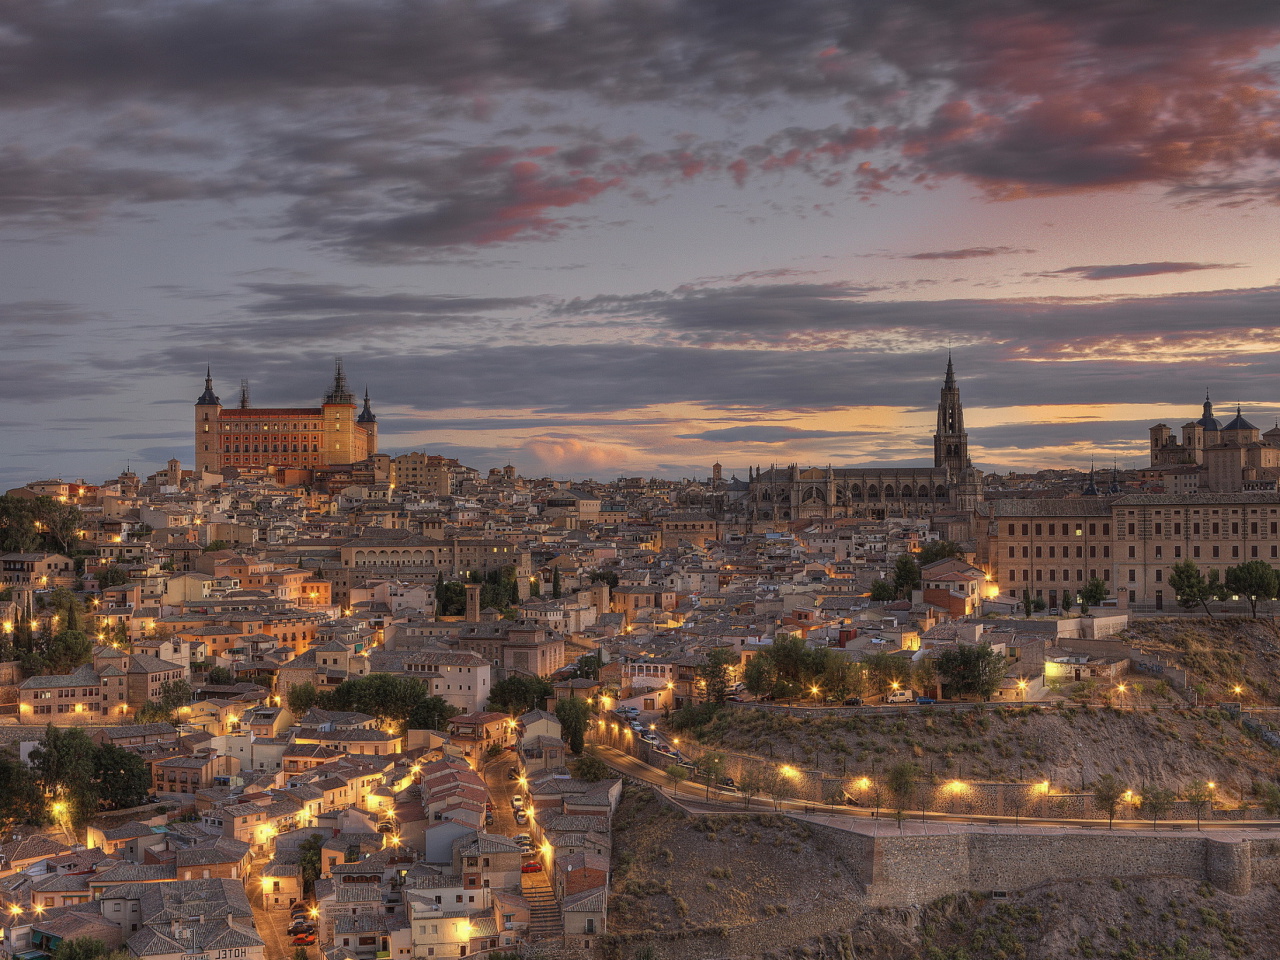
(208,410)
(950,442)
(370,424)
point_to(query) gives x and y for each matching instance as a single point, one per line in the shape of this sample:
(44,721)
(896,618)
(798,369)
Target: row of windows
(237,426)
(275,448)
(1066,575)
(1093,552)
(1068,529)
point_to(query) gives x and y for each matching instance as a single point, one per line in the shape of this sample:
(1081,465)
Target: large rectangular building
(1130,542)
(307,438)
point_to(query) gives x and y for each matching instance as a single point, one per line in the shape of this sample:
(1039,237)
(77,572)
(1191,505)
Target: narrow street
(500,792)
(272,924)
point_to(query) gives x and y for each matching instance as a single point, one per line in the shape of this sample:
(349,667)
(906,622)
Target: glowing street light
(1237,689)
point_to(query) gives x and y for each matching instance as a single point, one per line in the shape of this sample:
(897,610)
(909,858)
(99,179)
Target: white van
(902,696)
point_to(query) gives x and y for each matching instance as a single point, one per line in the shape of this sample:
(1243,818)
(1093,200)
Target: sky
(637,237)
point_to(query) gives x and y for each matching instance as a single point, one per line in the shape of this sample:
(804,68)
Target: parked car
(925,700)
(734,699)
(728,783)
(531,866)
(301,908)
(521,817)
(902,696)
(300,926)
(638,727)
(517,801)
(628,711)
(649,737)
(853,702)
(488,819)
(511,774)
(523,839)
(304,939)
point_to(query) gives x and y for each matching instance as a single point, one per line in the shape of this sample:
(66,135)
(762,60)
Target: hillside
(1220,653)
(1068,747)
(742,886)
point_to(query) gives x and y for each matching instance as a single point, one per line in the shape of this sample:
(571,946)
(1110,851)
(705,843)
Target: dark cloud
(968,253)
(761,434)
(334,106)
(1120,271)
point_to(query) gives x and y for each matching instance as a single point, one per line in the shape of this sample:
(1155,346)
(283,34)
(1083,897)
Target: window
(1159,576)
(1133,576)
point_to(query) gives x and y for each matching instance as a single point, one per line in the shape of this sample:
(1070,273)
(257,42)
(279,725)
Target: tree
(938,550)
(574,715)
(711,766)
(112,575)
(67,651)
(884,669)
(608,576)
(65,764)
(431,713)
(882,591)
(382,695)
(1093,593)
(451,598)
(1156,802)
(555,584)
(1067,602)
(750,783)
(1190,587)
(20,797)
(88,948)
(970,670)
(309,861)
(1107,793)
(60,522)
(300,699)
(676,775)
(1026,603)
(775,784)
(759,676)
(18,532)
(715,673)
(906,575)
(518,694)
(221,677)
(925,676)
(300,953)
(1199,796)
(901,781)
(121,778)
(591,768)
(213,546)
(1254,580)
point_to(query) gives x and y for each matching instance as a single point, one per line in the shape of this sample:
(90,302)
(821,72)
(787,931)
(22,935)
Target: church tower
(950,442)
(208,409)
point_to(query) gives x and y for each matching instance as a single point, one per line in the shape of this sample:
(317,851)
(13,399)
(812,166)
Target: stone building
(306,438)
(1231,458)
(952,484)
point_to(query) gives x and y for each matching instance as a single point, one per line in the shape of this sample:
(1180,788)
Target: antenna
(244,394)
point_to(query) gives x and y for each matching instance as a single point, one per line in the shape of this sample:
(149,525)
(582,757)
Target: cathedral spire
(366,415)
(950,441)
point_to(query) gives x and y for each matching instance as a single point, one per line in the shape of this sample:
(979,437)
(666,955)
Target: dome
(1208,421)
(1239,423)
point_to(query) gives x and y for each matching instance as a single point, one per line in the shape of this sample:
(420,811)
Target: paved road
(867,820)
(271,925)
(500,793)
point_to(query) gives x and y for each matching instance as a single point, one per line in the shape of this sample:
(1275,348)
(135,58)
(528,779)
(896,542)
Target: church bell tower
(950,442)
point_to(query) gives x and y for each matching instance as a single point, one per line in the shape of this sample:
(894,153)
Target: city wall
(897,870)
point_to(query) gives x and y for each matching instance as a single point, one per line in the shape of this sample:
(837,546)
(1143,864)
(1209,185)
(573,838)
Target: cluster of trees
(1155,802)
(89,948)
(400,700)
(28,525)
(498,589)
(906,570)
(519,694)
(174,694)
(59,645)
(574,715)
(790,668)
(75,771)
(1254,580)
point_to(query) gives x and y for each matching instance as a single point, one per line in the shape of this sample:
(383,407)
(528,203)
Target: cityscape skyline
(634,239)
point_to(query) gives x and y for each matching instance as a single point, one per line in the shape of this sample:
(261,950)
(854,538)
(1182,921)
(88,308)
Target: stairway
(545,921)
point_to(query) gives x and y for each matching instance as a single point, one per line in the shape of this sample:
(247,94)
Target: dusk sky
(635,237)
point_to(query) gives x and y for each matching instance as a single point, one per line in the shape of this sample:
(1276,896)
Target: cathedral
(951,485)
(307,438)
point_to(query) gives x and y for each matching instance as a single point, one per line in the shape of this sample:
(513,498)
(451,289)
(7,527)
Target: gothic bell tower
(950,442)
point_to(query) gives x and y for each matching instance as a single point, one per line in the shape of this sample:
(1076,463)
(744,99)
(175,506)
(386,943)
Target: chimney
(473,603)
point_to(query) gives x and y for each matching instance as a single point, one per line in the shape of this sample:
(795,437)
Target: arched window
(888,491)
(873,492)
(924,491)
(906,490)
(855,492)
(941,492)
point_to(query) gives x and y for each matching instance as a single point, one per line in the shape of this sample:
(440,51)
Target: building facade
(307,438)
